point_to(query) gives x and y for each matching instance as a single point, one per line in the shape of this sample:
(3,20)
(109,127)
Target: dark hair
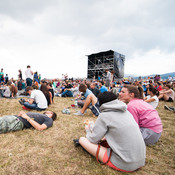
(9,83)
(50,84)
(102,82)
(28,88)
(168,85)
(106,97)
(138,92)
(82,87)
(159,83)
(88,85)
(45,91)
(153,90)
(54,116)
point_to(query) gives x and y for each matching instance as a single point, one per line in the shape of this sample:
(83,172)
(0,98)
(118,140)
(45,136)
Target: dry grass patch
(52,151)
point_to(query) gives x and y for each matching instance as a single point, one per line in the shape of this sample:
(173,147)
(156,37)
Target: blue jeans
(67,94)
(33,106)
(29,82)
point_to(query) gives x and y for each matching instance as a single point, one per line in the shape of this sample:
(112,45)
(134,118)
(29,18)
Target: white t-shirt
(7,91)
(29,73)
(154,103)
(39,98)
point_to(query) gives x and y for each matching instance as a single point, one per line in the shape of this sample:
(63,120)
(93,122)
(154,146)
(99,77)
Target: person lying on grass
(24,120)
(126,150)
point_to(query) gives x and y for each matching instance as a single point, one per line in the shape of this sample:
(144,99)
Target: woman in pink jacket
(144,114)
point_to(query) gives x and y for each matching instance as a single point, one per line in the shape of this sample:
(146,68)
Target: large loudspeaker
(99,62)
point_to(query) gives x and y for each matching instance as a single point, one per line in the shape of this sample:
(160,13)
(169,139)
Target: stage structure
(99,62)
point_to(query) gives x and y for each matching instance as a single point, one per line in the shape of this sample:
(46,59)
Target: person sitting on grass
(24,120)
(102,87)
(126,148)
(67,91)
(75,89)
(144,114)
(90,101)
(44,88)
(37,100)
(94,89)
(167,94)
(6,92)
(152,98)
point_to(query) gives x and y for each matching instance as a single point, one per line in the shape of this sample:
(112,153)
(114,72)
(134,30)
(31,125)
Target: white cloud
(54,36)
(153,62)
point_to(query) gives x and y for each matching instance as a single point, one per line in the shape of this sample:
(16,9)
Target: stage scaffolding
(99,62)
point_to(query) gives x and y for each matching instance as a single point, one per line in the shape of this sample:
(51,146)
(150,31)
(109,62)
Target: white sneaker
(169,108)
(79,113)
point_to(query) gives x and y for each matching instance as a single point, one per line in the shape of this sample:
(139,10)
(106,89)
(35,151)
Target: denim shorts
(95,109)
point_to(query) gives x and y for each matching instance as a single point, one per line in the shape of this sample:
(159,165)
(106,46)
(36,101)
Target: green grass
(52,151)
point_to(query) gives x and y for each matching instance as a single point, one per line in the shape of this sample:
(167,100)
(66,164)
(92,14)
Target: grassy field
(52,151)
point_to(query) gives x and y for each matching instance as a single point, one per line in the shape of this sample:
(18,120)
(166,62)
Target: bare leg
(92,148)
(164,96)
(160,96)
(91,98)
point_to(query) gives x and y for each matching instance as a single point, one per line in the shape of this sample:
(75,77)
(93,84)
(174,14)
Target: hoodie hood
(115,105)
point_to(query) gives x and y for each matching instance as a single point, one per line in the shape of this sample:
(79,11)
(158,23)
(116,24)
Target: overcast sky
(54,36)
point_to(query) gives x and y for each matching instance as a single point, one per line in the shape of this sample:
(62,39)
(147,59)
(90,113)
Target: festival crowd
(127,119)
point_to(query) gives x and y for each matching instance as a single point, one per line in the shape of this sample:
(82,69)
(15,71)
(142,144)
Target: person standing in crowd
(108,79)
(1,76)
(112,78)
(20,74)
(6,78)
(29,76)
(66,77)
(39,77)
(35,77)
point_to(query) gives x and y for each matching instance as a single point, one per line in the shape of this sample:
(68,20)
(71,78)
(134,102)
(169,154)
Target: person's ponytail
(138,92)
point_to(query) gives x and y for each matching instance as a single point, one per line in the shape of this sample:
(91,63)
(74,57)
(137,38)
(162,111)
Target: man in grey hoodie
(121,132)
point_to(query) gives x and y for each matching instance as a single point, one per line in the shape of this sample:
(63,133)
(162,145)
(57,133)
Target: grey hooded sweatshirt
(122,133)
